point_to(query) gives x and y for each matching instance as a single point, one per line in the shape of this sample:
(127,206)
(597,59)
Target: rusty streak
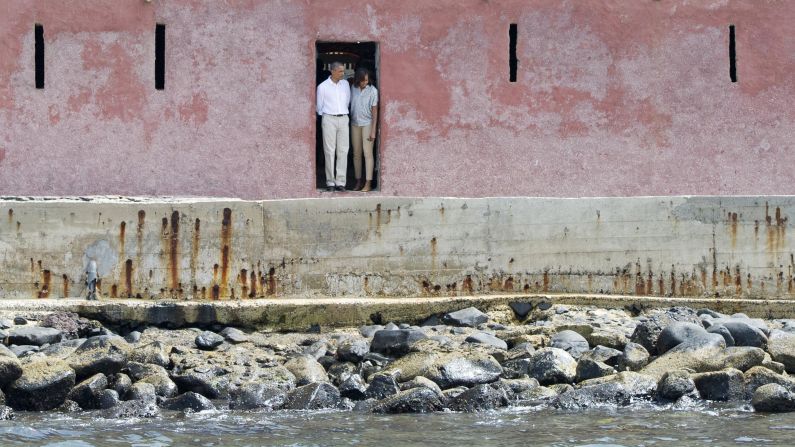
(45,279)
(128,267)
(226,240)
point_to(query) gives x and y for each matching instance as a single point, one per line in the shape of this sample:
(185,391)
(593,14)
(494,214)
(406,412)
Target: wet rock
(154,353)
(469,317)
(773,398)
(634,357)
(120,382)
(415,400)
(675,384)
(6,413)
(369,331)
(552,365)
(724,385)
(132,409)
(781,346)
(34,335)
(234,335)
(395,342)
(636,384)
(592,396)
(697,354)
(479,398)
(487,339)
(758,376)
(208,341)
(353,350)
(142,391)
(189,401)
(648,330)
(514,388)
(42,386)
(306,370)
(87,392)
(105,354)
(107,399)
(353,387)
(10,367)
(381,386)
(314,396)
(339,371)
(676,333)
(164,386)
(514,369)
(571,342)
(69,406)
(740,357)
(256,395)
(591,369)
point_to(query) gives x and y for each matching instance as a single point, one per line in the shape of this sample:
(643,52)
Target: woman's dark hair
(361,72)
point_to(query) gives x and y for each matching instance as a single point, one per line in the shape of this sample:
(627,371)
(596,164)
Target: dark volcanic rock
(479,398)
(571,342)
(742,331)
(234,335)
(675,384)
(132,409)
(353,350)
(34,335)
(253,395)
(591,369)
(484,338)
(552,365)
(608,356)
(773,398)
(634,357)
(208,341)
(728,384)
(473,369)
(648,330)
(759,375)
(189,401)
(594,395)
(415,400)
(119,382)
(6,413)
(142,391)
(521,309)
(395,342)
(470,317)
(353,387)
(105,354)
(314,396)
(306,370)
(87,392)
(42,386)
(676,333)
(381,386)
(107,399)
(154,353)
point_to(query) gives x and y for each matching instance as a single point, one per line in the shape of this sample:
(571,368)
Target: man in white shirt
(333,97)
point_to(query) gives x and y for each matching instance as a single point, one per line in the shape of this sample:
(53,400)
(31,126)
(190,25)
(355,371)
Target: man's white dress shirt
(333,98)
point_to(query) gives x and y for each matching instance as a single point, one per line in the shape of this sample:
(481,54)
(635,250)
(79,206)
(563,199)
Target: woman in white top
(364,116)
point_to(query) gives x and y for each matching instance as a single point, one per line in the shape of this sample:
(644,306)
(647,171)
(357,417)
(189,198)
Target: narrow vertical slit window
(513,62)
(39,56)
(160,56)
(732,55)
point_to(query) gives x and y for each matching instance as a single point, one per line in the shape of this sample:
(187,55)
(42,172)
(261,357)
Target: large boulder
(10,367)
(740,357)
(759,375)
(636,384)
(314,396)
(781,346)
(34,335)
(633,358)
(88,392)
(164,386)
(552,365)
(608,356)
(773,398)
(742,332)
(676,333)
(306,370)
(381,386)
(255,395)
(43,385)
(649,328)
(591,369)
(395,342)
(137,409)
(571,342)
(675,384)
(353,387)
(353,350)
(189,401)
(728,384)
(697,354)
(414,400)
(479,398)
(601,394)
(105,354)
(470,317)
(71,324)
(470,369)
(208,341)
(154,353)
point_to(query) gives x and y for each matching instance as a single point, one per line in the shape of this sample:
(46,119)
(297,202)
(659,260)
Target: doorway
(353,55)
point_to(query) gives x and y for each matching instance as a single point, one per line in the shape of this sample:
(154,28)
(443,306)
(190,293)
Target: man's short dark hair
(335,65)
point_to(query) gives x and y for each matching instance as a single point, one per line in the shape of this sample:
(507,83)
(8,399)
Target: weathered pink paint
(613,97)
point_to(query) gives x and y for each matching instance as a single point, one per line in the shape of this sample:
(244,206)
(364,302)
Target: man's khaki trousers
(336,140)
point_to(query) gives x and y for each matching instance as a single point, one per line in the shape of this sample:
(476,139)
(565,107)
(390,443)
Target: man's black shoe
(330,188)
(339,188)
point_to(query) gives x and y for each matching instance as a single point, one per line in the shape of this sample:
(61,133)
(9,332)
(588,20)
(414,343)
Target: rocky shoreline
(557,356)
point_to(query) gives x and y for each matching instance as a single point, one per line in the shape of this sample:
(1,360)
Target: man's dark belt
(344,114)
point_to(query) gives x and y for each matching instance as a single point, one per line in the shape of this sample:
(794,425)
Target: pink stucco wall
(613,97)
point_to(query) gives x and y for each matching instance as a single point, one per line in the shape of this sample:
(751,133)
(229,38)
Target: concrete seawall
(398,247)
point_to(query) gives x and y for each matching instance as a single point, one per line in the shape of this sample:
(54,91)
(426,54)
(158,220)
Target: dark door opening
(353,55)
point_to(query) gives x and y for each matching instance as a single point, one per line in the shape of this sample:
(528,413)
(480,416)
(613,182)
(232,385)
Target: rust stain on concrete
(226,241)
